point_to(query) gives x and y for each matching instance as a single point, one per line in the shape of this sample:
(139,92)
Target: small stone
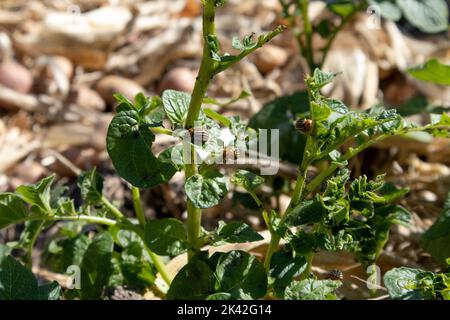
(110,85)
(16,77)
(87,98)
(180,79)
(428,196)
(269,58)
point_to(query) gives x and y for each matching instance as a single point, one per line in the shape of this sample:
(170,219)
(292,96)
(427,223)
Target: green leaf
(342,8)
(235,232)
(173,156)
(336,106)
(176,105)
(220,296)
(129,142)
(437,238)
(91,186)
(432,71)
(322,78)
(389,192)
(193,282)
(320,113)
(280,114)
(166,237)
(213,43)
(12,210)
(242,275)
(402,283)
(4,251)
(387,9)
(430,16)
(135,266)
(304,243)
(50,291)
(246,179)
(376,191)
(122,237)
(207,189)
(16,281)
(311,289)
(357,124)
(38,194)
(141,101)
(323,29)
(309,211)
(71,252)
(246,44)
(96,266)
(124,103)
(153,111)
(284,267)
(394,214)
(29,235)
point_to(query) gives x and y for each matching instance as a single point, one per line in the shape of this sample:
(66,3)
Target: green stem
(262,40)
(299,185)
(205,74)
(86,218)
(160,266)
(309,259)
(273,246)
(29,255)
(206,70)
(162,130)
(217,117)
(112,208)
(296,195)
(138,206)
(317,181)
(194,227)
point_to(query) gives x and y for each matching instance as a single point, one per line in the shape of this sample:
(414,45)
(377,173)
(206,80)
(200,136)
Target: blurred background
(61,62)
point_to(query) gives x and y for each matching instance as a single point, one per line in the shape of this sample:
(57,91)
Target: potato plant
(330,212)
(416,284)
(426,16)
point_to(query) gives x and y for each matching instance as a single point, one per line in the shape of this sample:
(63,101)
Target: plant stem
(160,266)
(29,254)
(299,185)
(112,208)
(206,67)
(261,42)
(86,218)
(138,206)
(309,259)
(162,130)
(317,181)
(194,226)
(205,75)
(296,195)
(273,246)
